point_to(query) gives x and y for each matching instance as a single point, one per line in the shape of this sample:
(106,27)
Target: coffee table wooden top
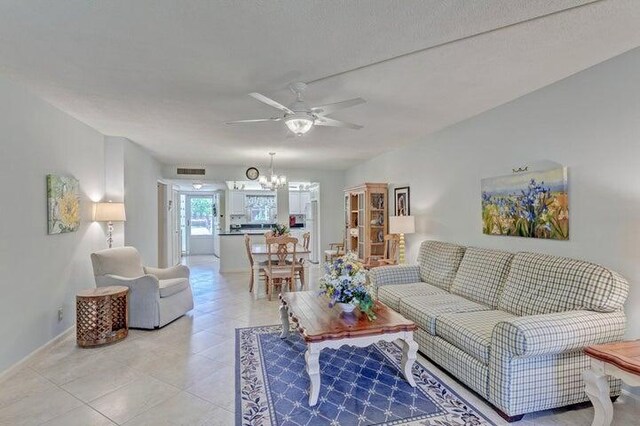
(624,355)
(316,321)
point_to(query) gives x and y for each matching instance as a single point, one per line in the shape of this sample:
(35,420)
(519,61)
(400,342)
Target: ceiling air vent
(182,171)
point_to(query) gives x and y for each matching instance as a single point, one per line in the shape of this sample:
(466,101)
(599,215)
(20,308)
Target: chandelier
(273,181)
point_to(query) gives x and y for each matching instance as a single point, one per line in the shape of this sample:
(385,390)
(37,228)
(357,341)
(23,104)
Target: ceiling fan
(299,117)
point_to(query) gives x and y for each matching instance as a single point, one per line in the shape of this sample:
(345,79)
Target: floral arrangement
(345,281)
(279,230)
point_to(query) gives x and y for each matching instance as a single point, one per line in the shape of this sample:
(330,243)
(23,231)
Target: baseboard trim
(18,365)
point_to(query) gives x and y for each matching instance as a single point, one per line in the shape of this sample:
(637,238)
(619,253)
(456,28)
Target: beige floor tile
(77,366)
(181,409)
(22,384)
(182,370)
(133,399)
(100,382)
(81,416)
(216,389)
(219,417)
(38,408)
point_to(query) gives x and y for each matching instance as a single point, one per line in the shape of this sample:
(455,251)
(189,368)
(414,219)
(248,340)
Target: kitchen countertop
(254,231)
(244,231)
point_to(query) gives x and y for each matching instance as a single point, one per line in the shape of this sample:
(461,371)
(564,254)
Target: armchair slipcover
(156,296)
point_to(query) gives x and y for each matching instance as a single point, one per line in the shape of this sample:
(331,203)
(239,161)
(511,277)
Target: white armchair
(156,296)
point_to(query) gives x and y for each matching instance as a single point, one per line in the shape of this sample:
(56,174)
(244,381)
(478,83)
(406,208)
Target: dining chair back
(306,237)
(280,269)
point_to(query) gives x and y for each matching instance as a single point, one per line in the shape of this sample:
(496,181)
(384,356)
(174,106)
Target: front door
(201,212)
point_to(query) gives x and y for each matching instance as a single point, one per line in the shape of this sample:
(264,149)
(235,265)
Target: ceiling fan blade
(270,102)
(256,120)
(329,108)
(330,122)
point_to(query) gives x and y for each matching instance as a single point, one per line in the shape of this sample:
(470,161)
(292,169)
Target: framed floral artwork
(403,207)
(63,202)
(531,204)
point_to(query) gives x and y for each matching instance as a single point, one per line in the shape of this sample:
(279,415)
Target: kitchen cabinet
(237,203)
(294,202)
(298,201)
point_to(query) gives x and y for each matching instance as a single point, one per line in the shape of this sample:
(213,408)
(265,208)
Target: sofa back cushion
(541,284)
(439,262)
(482,274)
(121,261)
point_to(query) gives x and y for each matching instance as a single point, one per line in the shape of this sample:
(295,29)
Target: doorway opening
(198,223)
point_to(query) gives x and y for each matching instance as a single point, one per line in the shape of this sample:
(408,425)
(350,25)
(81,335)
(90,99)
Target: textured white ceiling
(167,73)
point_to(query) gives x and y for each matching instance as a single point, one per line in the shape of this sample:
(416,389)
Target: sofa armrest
(555,333)
(178,271)
(395,274)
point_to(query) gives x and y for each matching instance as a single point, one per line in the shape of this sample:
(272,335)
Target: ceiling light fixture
(197,186)
(274,181)
(299,123)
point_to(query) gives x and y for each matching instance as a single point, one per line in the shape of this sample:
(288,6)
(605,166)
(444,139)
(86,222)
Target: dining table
(259,251)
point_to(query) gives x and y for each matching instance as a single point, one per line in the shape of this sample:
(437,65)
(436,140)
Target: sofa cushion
(391,295)
(470,331)
(439,262)
(173,286)
(482,274)
(423,310)
(541,284)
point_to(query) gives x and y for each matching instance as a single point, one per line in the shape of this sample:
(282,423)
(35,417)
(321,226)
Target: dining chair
(390,256)
(247,243)
(306,237)
(268,234)
(335,250)
(278,271)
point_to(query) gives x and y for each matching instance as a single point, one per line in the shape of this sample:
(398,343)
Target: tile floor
(182,374)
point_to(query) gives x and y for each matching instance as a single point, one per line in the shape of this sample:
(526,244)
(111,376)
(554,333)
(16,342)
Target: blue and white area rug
(359,386)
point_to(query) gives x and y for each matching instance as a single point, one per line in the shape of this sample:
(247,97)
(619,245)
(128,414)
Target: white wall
(141,174)
(589,122)
(331,191)
(40,272)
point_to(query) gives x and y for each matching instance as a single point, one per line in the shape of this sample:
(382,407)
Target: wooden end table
(620,360)
(323,327)
(102,315)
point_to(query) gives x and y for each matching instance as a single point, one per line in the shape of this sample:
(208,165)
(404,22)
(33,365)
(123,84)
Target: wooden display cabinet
(366,219)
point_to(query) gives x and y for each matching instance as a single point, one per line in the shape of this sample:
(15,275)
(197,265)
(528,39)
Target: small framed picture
(402,201)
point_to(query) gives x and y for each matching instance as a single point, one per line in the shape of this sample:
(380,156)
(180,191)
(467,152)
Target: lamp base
(401,250)
(110,234)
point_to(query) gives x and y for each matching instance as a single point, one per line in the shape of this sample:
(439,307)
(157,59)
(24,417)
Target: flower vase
(346,308)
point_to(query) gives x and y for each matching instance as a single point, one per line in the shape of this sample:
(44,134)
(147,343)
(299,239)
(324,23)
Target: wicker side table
(102,315)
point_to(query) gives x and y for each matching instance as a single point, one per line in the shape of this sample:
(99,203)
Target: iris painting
(533,204)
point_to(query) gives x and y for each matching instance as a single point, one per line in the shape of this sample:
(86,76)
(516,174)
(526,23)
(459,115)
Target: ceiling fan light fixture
(299,124)
(197,186)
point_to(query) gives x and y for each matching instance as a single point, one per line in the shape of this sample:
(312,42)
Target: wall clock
(252,173)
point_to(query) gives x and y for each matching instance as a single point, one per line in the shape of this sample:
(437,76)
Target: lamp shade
(110,212)
(402,225)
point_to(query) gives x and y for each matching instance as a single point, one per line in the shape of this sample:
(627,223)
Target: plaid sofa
(510,326)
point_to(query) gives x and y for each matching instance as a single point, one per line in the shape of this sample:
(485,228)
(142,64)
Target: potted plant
(345,284)
(279,230)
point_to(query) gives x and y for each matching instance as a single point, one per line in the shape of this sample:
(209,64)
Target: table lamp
(402,225)
(110,212)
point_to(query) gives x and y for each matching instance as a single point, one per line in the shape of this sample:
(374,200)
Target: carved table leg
(597,388)
(409,351)
(312,356)
(284,317)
